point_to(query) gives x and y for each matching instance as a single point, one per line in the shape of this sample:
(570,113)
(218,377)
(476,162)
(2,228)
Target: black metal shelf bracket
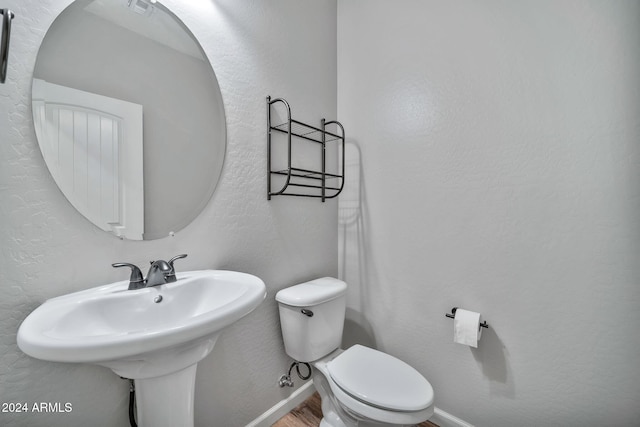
(303,182)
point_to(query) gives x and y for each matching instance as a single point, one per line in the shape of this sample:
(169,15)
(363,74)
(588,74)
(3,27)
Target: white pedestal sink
(155,336)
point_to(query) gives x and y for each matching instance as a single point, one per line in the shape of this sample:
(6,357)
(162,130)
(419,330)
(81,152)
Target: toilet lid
(380,380)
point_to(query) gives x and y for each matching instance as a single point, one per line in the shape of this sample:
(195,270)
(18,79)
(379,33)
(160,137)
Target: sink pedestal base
(165,382)
(166,401)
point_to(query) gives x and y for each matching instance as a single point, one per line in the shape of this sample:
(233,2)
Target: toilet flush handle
(307,312)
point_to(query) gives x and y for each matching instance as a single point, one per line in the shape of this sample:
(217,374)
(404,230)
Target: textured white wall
(257,48)
(500,162)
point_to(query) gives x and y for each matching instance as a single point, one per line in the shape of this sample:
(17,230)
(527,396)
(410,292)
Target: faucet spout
(160,273)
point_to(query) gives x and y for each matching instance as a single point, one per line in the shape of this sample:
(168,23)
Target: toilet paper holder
(453,316)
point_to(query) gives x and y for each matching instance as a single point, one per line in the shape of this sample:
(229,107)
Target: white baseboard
(283,407)
(444,419)
(280,409)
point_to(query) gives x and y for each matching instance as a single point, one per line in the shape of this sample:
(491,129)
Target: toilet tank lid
(313,292)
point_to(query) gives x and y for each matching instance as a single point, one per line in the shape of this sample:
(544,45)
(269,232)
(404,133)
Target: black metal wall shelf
(297,181)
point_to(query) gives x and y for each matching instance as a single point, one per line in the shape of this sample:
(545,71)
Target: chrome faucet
(160,272)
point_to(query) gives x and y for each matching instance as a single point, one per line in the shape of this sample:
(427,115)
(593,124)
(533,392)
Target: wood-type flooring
(309,414)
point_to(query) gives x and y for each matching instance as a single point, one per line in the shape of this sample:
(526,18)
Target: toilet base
(333,415)
(330,410)
(324,423)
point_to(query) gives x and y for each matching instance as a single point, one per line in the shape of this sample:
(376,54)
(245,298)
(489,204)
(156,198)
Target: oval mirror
(129,116)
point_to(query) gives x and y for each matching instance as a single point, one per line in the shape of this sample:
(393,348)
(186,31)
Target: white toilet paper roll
(466,327)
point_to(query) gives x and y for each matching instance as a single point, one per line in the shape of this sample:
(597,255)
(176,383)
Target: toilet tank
(312,317)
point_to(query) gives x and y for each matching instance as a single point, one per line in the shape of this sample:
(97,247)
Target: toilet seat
(350,369)
(380,380)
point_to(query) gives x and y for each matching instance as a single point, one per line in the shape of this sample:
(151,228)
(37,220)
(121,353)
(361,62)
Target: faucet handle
(177,257)
(171,275)
(136,280)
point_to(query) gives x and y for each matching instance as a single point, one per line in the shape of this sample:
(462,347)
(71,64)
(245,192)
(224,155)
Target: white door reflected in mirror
(93,146)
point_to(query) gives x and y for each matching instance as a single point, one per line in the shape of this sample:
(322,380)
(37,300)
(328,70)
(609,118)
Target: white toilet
(359,386)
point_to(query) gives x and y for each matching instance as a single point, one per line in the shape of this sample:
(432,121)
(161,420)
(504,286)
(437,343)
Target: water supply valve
(286,381)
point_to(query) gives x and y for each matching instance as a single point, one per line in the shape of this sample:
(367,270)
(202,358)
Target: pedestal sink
(155,336)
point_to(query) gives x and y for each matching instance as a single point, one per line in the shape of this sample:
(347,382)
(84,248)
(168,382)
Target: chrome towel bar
(7,16)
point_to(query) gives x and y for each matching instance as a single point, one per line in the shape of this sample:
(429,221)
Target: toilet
(358,386)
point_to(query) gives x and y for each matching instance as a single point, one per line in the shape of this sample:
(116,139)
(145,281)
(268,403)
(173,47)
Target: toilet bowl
(358,386)
(369,385)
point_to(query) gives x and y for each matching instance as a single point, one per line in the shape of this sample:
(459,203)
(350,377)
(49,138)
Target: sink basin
(146,333)
(110,322)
